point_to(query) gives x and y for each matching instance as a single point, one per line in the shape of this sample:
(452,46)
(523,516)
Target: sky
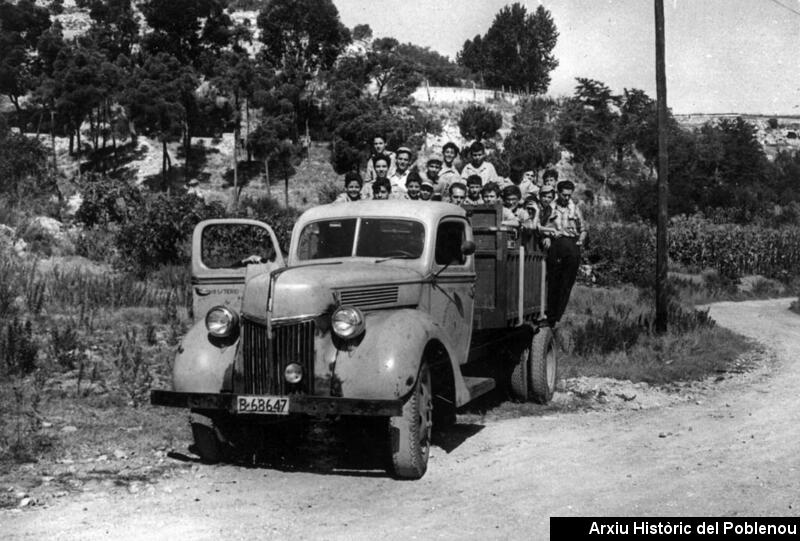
(722,56)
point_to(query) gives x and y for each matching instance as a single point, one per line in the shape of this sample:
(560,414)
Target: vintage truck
(400,310)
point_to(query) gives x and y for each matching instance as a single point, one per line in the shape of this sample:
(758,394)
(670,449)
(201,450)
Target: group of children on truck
(541,207)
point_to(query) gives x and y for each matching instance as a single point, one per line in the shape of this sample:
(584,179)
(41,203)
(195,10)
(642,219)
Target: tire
(410,433)
(209,441)
(543,366)
(533,377)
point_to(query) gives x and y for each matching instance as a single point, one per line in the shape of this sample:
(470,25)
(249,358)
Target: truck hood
(309,290)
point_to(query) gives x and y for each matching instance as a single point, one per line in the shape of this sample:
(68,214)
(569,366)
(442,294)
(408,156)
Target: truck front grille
(264,359)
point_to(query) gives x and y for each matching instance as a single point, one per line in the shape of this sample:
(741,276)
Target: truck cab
(377,311)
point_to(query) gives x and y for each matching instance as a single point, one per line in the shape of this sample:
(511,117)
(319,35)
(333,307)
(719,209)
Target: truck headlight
(347,322)
(221,321)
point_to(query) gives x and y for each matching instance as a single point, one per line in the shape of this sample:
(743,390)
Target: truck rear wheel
(534,375)
(410,433)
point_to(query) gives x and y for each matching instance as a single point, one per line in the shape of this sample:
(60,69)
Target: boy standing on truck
(381,166)
(478,164)
(474,187)
(352,188)
(449,173)
(433,168)
(379,149)
(426,190)
(381,189)
(413,186)
(564,255)
(403,162)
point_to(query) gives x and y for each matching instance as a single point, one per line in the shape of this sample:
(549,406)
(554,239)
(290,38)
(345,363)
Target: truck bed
(501,277)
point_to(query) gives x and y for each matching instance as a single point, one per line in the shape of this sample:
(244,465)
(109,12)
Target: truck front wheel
(534,375)
(410,433)
(210,442)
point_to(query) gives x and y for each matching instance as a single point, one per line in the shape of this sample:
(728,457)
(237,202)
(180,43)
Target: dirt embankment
(730,449)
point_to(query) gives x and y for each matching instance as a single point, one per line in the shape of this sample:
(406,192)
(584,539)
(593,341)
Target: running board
(478,386)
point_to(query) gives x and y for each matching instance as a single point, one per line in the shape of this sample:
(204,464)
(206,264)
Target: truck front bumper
(311,405)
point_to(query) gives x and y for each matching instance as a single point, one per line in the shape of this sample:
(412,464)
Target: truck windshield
(377,237)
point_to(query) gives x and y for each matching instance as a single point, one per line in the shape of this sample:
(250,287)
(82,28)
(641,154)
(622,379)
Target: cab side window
(449,237)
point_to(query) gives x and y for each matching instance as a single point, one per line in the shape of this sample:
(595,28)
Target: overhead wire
(786,7)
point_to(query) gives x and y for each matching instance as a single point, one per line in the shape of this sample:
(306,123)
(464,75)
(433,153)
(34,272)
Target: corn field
(626,252)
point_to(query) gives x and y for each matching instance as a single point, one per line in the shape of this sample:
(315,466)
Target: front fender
(204,364)
(385,363)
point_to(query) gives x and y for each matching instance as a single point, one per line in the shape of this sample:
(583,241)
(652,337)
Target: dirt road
(730,451)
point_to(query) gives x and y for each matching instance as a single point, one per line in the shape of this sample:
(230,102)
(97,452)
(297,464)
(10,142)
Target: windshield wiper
(381,260)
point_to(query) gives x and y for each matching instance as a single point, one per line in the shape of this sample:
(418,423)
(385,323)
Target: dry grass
(623,345)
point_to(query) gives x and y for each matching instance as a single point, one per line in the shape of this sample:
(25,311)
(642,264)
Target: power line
(786,7)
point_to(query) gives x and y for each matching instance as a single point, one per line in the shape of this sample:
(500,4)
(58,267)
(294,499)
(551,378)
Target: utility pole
(663,186)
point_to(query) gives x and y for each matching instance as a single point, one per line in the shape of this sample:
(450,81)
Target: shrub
(107,200)
(97,243)
(269,211)
(327,192)
(478,122)
(18,348)
(621,253)
(134,375)
(66,346)
(158,230)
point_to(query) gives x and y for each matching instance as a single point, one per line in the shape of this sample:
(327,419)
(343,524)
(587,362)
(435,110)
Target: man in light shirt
(478,164)
(403,163)
(563,257)
(449,173)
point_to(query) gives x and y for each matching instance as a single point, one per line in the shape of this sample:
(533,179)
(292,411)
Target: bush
(18,348)
(621,253)
(269,211)
(479,123)
(328,192)
(107,200)
(158,230)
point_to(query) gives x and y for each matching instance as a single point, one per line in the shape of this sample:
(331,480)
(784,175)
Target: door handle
(202,292)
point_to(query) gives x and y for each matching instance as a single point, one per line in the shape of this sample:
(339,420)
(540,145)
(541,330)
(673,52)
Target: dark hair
(413,176)
(516,171)
(565,185)
(477,146)
(474,179)
(550,173)
(352,176)
(457,184)
(491,187)
(452,145)
(512,190)
(381,157)
(381,182)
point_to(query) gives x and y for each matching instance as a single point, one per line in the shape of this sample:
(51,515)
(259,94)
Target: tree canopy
(516,52)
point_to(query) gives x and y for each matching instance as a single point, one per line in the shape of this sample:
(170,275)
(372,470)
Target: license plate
(264,405)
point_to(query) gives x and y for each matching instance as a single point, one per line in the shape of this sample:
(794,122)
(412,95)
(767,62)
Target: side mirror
(467,248)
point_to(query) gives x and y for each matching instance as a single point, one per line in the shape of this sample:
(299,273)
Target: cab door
(453,284)
(225,253)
